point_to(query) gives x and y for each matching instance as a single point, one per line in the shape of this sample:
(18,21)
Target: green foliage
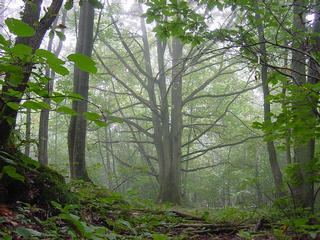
(232,214)
(169,21)
(290,221)
(19,28)
(11,171)
(83,62)
(14,57)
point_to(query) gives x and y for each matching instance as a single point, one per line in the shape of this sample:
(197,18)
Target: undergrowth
(101,214)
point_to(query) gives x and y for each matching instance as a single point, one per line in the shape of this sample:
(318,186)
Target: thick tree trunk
(167,140)
(78,124)
(303,189)
(170,189)
(30,16)
(276,172)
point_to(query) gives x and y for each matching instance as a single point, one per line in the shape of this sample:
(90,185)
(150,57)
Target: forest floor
(35,203)
(114,220)
(100,215)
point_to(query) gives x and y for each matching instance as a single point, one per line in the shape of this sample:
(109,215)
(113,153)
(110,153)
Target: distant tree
(44,115)
(273,160)
(165,79)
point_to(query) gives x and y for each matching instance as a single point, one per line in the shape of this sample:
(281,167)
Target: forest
(159,119)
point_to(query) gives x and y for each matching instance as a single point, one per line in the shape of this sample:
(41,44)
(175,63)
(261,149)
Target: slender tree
(276,172)
(44,115)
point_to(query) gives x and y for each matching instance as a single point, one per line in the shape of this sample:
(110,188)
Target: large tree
(30,16)
(166,78)
(78,123)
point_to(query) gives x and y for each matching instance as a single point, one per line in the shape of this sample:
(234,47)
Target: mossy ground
(32,183)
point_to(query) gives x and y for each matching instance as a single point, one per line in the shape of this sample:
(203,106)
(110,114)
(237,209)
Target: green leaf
(24,232)
(3,41)
(10,68)
(15,79)
(300,222)
(61,36)
(66,110)
(96,4)
(32,105)
(100,123)
(44,53)
(21,50)
(57,205)
(91,116)
(75,96)
(13,105)
(83,62)
(115,120)
(59,69)
(157,236)
(68,5)
(19,28)
(57,97)
(7,157)
(30,161)
(5,236)
(11,171)
(51,34)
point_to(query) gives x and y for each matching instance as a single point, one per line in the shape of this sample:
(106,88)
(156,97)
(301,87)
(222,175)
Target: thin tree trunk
(257,174)
(44,115)
(276,172)
(28,132)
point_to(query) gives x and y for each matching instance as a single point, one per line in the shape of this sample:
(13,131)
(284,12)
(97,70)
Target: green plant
(78,227)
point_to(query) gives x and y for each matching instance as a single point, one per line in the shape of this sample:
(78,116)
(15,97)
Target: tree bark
(28,132)
(44,115)
(78,124)
(275,169)
(303,188)
(30,16)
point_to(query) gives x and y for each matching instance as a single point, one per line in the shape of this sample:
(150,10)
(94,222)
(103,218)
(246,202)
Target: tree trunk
(167,139)
(303,189)
(30,16)
(44,115)
(276,172)
(258,184)
(28,133)
(78,124)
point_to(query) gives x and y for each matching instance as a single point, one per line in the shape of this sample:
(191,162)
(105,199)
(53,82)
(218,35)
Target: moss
(52,187)
(41,184)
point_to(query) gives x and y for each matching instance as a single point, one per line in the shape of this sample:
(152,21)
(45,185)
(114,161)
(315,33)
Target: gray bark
(276,172)
(78,124)
(303,189)
(28,132)
(44,115)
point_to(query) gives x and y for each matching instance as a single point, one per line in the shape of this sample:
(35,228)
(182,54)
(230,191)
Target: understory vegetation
(81,210)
